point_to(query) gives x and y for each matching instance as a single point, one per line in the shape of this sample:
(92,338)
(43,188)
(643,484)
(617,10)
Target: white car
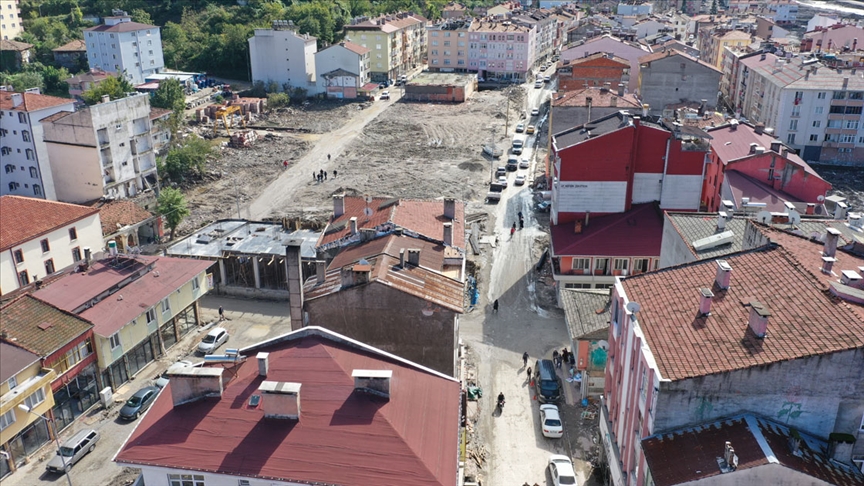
(215,338)
(385,95)
(523,163)
(502,180)
(520,128)
(535,112)
(550,421)
(538,84)
(561,469)
(520,180)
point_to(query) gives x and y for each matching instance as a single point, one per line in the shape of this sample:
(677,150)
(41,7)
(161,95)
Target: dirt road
(282,191)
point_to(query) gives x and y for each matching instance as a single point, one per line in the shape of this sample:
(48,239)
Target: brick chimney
(353,225)
(827,264)
(705,296)
(189,384)
(759,314)
(338,205)
(724,274)
(374,382)
(17,99)
(448,234)
(449,208)
(414,256)
(832,235)
(280,400)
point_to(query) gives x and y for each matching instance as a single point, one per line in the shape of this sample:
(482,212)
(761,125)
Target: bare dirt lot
(413,150)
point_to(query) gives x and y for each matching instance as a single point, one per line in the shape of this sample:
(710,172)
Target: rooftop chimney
(189,384)
(845,82)
(414,256)
(448,234)
(263,363)
(759,314)
(759,128)
(721,221)
(705,296)
(353,224)
(811,208)
(356,274)
(106,98)
(294,272)
(840,210)
(588,101)
(775,146)
(320,271)
(620,89)
(280,400)
(449,208)
(831,237)
(375,382)
(338,205)
(724,274)
(402,257)
(827,264)
(17,99)
(605,88)
(753,147)
(730,458)
(645,109)
(850,277)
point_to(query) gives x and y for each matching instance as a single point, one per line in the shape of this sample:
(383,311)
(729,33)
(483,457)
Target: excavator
(226,114)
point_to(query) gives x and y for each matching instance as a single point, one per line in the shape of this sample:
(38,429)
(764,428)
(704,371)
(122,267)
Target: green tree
(141,16)
(169,95)
(55,80)
(23,81)
(714,7)
(115,86)
(171,204)
(187,161)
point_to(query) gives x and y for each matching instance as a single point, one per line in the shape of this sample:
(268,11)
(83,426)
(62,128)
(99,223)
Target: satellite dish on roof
(764,217)
(820,198)
(368,211)
(633,307)
(794,217)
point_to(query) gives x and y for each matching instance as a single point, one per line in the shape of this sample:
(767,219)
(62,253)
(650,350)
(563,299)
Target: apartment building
(837,37)
(544,23)
(601,69)
(121,46)
(343,69)
(609,44)
(693,345)
(103,150)
(397,43)
(672,77)
(41,237)
(712,43)
(283,55)
(449,47)
(501,50)
(11,25)
(26,169)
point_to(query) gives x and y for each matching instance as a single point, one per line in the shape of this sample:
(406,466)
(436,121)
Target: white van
(518,145)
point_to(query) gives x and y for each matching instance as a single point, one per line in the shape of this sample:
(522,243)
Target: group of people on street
(321,175)
(521,224)
(564,357)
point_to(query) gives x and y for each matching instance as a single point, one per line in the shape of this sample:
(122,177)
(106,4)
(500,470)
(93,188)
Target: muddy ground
(847,181)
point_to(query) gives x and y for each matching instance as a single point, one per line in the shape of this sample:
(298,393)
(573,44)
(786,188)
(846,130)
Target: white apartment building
(120,45)
(10,20)
(23,154)
(342,69)
(42,237)
(102,150)
(544,24)
(284,56)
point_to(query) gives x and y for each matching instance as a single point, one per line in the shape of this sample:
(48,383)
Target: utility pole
(507,113)
(237,197)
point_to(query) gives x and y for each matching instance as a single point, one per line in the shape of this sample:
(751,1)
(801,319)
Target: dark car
(139,403)
(546,381)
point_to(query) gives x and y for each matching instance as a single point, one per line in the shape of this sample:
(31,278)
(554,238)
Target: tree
(169,95)
(141,16)
(115,86)
(172,206)
(186,161)
(23,81)
(714,7)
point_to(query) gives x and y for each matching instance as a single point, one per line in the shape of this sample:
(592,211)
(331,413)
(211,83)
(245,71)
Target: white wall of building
(159,476)
(681,192)
(646,187)
(138,52)
(339,57)
(283,56)
(89,235)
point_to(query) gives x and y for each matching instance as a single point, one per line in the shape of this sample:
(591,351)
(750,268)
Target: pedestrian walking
(325,175)
(565,355)
(284,164)
(221,313)
(513,230)
(328,157)
(495,306)
(520,214)
(521,223)
(314,176)
(556,358)
(525,358)
(334,173)
(529,373)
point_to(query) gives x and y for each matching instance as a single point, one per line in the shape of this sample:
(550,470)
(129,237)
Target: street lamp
(27,409)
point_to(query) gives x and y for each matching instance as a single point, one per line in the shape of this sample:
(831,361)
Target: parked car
(512,163)
(538,84)
(502,180)
(523,163)
(139,403)
(520,180)
(72,450)
(546,381)
(530,130)
(163,378)
(385,95)
(547,79)
(215,338)
(561,469)
(550,421)
(520,128)
(535,112)
(500,171)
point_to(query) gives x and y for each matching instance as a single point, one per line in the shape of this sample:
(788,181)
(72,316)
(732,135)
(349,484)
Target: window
(76,254)
(151,315)
(23,278)
(814,138)
(600,266)
(19,256)
(34,173)
(25,135)
(22,117)
(186,480)
(12,382)
(49,266)
(7,419)
(115,340)
(817,123)
(851,124)
(821,95)
(195,284)
(73,234)
(796,110)
(37,190)
(839,95)
(577,285)
(793,124)
(640,265)
(35,398)
(818,110)
(30,154)
(166,305)
(621,263)
(581,264)
(790,139)
(45,246)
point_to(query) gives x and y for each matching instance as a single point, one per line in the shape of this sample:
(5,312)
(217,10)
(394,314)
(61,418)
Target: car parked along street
(139,403)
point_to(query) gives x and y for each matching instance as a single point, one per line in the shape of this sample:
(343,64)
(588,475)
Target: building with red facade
(748,165)
(596,70)
(612,176)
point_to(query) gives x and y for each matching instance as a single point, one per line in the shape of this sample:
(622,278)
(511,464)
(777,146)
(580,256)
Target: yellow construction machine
(226,114)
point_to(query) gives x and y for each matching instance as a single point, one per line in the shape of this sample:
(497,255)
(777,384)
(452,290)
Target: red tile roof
(32,101)
(120,27)
(423,217)
(421,282)
(8,45)
(691,454)
(166,275)
(38,326)
(805,320)
(26,218)
(120,213)
(635,233)
(672,53)
(431,254)
(156,113)
(76,45)
(355,48)
(599,98)
(730,145)
(342,436)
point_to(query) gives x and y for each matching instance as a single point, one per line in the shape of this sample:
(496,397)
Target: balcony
(17,395)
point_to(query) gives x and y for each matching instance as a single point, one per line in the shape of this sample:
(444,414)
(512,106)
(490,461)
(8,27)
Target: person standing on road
(325,175)
(334,173)
(525,358)
(221,313)
(556,359)
(512,230)
(314,176)
(328,158)
(529,374)
(495,306)
(565,355)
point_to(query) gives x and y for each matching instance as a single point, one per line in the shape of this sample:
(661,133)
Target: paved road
(282,191)
(249,322)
